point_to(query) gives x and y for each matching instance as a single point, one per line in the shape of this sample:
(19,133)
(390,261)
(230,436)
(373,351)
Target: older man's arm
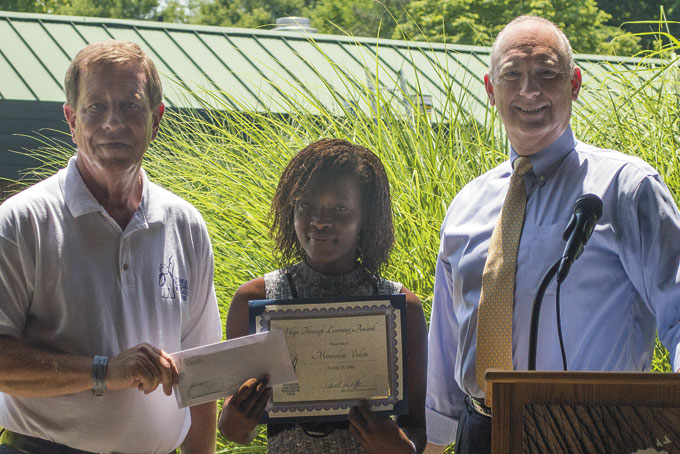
(201,436)
(29,372)
(26,371)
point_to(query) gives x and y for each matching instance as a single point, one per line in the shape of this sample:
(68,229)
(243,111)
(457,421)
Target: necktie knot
(522,165)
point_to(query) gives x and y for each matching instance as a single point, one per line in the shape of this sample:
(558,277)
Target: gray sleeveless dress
(301,281)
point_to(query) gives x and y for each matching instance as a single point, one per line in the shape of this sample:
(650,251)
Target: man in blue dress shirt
(620,291)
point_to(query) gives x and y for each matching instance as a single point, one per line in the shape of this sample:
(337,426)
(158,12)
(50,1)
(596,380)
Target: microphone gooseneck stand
(536,315)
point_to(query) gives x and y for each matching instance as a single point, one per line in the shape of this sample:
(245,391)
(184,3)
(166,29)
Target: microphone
(587,210)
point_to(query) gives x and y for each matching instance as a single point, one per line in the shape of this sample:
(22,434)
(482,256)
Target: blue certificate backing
(393,307)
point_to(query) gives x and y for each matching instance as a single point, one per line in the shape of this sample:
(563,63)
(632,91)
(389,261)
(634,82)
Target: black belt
(32,445)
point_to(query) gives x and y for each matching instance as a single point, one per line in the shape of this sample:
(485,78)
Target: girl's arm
(241,412)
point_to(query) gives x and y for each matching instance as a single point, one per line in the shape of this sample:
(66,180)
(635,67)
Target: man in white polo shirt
(101,273)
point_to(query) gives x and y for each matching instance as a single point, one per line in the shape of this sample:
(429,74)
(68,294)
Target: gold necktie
(494,319)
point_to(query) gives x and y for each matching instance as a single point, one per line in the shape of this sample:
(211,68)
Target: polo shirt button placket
(126,277)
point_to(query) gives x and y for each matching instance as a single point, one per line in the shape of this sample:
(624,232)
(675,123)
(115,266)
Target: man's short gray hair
(568,54)
(112,52)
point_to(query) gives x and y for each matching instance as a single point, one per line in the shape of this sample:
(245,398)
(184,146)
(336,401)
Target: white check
(213,371)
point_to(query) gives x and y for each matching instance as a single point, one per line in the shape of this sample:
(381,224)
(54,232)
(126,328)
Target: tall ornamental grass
(227,162)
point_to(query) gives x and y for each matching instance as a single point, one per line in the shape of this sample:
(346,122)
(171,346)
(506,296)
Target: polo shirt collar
(78,197)
(80,200)
(546,161)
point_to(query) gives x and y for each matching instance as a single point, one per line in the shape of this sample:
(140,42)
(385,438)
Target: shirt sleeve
(15,292)
(204,325)
(445,399)
(651,256)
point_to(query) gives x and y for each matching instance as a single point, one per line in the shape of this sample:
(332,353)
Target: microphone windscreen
(589,203)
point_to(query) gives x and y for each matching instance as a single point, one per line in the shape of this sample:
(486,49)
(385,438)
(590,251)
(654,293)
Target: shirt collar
(80,200)
(545,162)
(78,197)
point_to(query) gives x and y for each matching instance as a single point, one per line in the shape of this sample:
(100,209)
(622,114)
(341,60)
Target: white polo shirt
(72,281)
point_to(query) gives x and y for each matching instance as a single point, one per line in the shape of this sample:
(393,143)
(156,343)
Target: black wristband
(99,375)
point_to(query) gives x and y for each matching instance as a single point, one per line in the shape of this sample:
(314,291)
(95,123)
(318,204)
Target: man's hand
(377,434)
(242,412)
(143,367)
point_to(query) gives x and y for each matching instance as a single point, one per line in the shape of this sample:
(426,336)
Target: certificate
(213,371)
(342,350)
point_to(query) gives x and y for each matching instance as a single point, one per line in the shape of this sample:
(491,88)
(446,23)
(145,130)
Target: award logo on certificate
(342,350)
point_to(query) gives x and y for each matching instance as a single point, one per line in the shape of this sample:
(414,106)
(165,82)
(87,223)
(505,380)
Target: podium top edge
(536,377)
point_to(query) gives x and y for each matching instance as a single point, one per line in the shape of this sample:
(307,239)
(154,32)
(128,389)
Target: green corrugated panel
(253,69)
(18,50)
(420,74)
(183,69)
(604,80)
(12,85)
(318,72)
(46,48)
(269,78)
(593,74)
(343,55)
(160,57)
(354,68)
(349,76)
(92,33)
(292,73)
(233,72)
(593,71)
(471,67)
(68,37)
(207,67)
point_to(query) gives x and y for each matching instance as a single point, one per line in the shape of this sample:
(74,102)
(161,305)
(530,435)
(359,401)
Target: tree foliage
(248,13)
(359,17)
(660,15)
(479,21)
(634,10)
(593,26)
(353,17)
(123,9)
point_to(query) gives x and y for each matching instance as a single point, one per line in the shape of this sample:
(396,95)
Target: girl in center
(332,218)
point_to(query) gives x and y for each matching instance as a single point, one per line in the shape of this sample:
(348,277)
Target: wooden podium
(584,412)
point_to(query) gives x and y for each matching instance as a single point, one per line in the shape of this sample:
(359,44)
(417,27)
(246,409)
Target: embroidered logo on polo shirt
(166,279)
(184,289)
(170,283)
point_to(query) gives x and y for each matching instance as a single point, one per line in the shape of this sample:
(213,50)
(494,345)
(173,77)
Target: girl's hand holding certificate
(377,434)
(242,411)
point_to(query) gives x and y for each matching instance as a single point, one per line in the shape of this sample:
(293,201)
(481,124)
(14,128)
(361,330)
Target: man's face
(533,88)
(113,122)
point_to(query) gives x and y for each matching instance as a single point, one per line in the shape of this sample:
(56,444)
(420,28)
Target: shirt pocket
(544,247)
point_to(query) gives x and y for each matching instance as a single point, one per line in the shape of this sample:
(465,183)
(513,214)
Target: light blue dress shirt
(622,289)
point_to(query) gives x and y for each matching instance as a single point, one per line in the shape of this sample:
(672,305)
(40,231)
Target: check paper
(214,371)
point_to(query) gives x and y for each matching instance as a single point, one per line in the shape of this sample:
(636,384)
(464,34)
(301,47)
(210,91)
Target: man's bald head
(567,56)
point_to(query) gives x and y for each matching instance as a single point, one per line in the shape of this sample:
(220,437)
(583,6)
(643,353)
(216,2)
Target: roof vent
(294,24)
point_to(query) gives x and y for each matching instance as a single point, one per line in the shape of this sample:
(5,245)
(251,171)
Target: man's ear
(157,115)
(575,83)
(489,89)
(70,114)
